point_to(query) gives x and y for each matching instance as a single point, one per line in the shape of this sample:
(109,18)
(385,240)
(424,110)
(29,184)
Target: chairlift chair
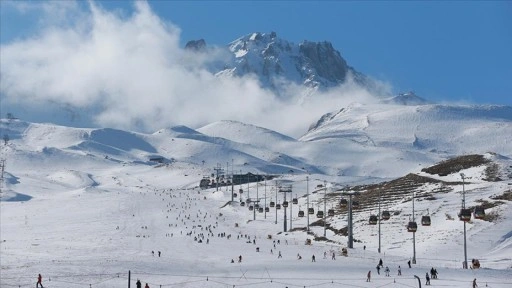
(412,226)
(425,220)
(465,215)
(479,212)
(373,220)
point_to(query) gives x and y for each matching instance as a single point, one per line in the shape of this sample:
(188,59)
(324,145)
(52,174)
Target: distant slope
(442,129)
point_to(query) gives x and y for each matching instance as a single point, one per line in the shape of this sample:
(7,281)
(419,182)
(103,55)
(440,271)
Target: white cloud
(130,73)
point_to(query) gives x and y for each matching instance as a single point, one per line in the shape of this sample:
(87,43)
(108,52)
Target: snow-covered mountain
(109,197)
(277,62)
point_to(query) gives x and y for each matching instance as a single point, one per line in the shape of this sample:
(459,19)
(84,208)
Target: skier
(39,281)
(313,258)
(380,263)
(138,284)
(387,271)
(279,256)
(333,256)
(474,283)
(369,276)
(240,259)
(399,271)
(147,286)
(409,263)
(427,278)
(378,269)
(159,253)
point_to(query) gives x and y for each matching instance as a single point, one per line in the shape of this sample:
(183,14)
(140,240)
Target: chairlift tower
(284,190)
(350,243)
(218,171)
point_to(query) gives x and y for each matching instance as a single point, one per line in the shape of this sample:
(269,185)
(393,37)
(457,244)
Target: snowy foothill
(91,207)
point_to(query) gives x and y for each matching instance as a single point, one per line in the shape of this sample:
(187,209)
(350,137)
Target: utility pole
(325,211)
(307,199)
(380,217)
(265,197)
(413,233)
(464,207)
(276,200)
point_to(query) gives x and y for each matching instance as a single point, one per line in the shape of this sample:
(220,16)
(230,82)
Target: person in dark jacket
(138,284)
(39,281)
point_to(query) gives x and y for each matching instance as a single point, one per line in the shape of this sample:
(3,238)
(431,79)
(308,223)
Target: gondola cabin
(251,207)
(320,214)
(278,206)
(373,220)
(260,210)
(235,195)
(272,204)
(241,191)
(479,212)
(295,201)
(242,204)
(267,209)
(330,212)
(465,215)
(355,204)
(285,204)
(301,213)
(412,226)
(425,221)
(311,211)
(386,215)
(343,203)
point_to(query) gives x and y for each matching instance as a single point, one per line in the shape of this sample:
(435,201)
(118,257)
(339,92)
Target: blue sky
(444,51)
(453,50)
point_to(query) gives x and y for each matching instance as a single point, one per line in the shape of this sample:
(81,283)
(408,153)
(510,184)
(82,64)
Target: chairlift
(412,226)
(311,211)
(479,212)
(425,220)
(301,213)
(285,204)
(465,215)
(330,212)
(295,201)
(373,220)
(272,204)
(386,215)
